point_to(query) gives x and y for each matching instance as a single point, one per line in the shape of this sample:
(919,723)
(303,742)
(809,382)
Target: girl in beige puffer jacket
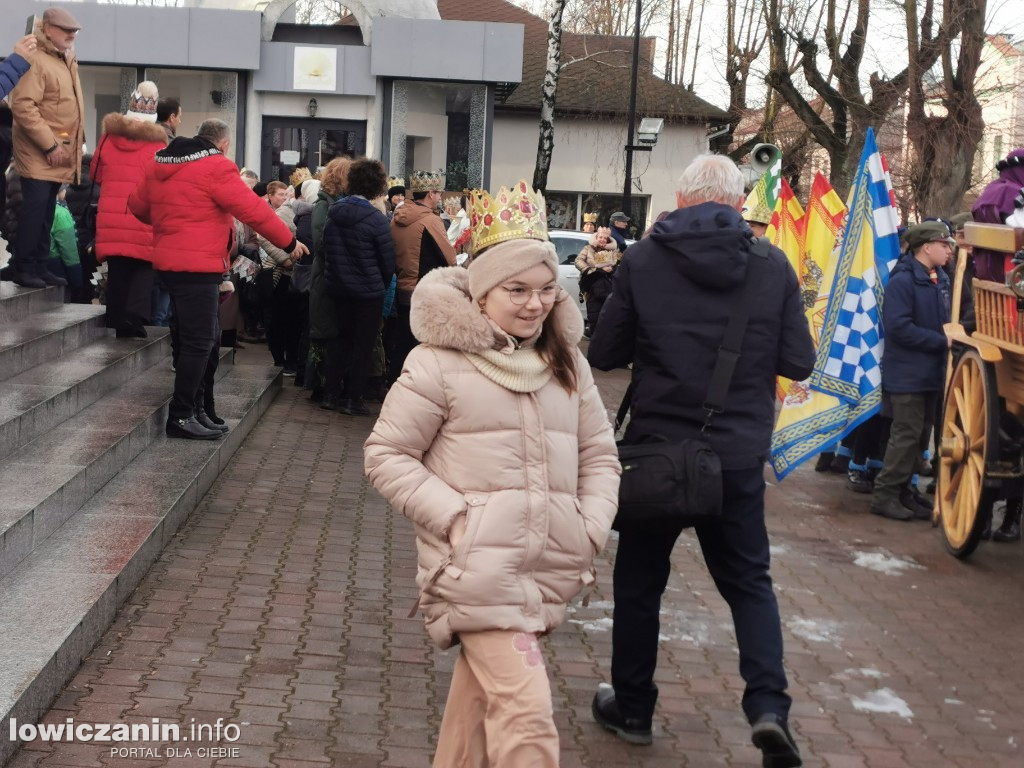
(495,443)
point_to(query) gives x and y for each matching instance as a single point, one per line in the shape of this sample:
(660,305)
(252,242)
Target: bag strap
(728,351)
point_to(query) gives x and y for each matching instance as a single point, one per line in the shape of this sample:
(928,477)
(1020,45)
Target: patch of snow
(884,562)
(777,549)
(953,701)
(815,630)
(597,625)
(868,672)
(882,701)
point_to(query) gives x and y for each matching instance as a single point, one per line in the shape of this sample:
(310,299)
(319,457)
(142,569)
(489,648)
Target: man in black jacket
(667,315)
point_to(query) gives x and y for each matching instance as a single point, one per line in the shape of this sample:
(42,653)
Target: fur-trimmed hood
(444,315)
(116,124)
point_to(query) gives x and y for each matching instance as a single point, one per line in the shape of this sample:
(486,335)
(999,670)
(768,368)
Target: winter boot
(1009,530)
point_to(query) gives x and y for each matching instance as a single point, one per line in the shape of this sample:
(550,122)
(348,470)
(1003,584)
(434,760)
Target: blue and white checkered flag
(850,348)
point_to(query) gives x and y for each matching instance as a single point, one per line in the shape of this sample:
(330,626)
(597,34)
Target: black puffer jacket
(358,250)
(667,315)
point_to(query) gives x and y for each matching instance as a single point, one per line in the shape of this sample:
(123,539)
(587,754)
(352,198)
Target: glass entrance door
(289,143)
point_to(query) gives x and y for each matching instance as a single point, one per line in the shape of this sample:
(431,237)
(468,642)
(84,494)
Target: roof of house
(1005,45)
(595,76)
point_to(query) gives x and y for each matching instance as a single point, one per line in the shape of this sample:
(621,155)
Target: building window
(439,125)
(204,94)
(104,90)
(566,209)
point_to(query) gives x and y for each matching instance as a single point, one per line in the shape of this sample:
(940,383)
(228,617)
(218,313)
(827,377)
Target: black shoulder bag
(671,482)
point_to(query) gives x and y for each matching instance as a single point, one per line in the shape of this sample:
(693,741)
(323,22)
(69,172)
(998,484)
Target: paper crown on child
(590,218)
(511,214)
(427,181)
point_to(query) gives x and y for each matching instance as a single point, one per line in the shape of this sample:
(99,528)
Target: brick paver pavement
(280,608)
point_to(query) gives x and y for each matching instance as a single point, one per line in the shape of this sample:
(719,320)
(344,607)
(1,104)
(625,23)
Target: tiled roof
(1005,45)
(596,80)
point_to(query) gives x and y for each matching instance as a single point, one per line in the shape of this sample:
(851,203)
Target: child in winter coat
(495,443)
(596,263)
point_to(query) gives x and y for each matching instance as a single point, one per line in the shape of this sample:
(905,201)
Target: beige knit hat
(504,260)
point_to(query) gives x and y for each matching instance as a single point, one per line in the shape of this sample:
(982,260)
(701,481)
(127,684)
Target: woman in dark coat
(359,261)
(323,325)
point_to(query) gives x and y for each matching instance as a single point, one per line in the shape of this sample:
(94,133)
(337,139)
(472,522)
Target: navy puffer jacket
(913,313)
(359,254)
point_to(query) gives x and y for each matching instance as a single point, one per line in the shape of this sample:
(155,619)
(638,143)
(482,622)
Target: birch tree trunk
(546,140)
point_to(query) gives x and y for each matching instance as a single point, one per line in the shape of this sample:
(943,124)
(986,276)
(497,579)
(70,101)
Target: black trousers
(598,293)
(351,358)
(129,293)
(402,341)
(736,552)
(194,297)
(35,219)
(282,318)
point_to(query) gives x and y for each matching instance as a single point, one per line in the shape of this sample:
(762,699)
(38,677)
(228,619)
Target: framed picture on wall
(315,69)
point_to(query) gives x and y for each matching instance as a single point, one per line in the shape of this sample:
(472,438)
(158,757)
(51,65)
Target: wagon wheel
(970,433)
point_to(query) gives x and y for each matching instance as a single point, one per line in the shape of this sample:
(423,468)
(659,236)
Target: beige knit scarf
(521,370)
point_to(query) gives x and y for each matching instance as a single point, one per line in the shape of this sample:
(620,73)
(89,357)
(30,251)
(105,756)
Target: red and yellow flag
(786,230)
(825,215)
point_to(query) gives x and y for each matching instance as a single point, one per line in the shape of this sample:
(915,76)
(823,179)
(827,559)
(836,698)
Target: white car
(568,243)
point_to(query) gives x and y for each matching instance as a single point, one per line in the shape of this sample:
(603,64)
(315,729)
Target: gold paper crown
(395,181)
(590,218)
(512,214)
(427,181)
(299,175)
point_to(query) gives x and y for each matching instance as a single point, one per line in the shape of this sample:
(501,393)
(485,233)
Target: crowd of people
(492,437)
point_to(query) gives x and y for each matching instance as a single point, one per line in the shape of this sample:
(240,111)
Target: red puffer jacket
(191,196)
(125,154)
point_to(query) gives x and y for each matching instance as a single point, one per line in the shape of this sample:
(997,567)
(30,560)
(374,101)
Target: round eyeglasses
(548,294)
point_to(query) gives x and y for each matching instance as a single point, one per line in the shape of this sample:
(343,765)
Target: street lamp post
(627,190)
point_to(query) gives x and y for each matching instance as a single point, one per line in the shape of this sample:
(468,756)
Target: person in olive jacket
(359,260)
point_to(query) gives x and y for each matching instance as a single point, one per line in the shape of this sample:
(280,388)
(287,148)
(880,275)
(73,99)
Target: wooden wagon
(983,420)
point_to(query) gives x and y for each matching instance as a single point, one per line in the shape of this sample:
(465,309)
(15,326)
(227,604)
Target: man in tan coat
(421,244)
(48,135)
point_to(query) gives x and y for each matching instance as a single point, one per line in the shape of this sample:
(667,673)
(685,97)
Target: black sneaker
(771,735)
(190,429)
(606,714)
(892,509)
(860,481)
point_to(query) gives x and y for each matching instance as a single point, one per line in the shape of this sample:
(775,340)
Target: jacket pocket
(586,547)
(476,503)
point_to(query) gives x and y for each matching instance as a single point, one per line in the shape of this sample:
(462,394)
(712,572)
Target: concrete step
(44,336)
(39,399)
(46,481)
(17,303)
(60,600)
